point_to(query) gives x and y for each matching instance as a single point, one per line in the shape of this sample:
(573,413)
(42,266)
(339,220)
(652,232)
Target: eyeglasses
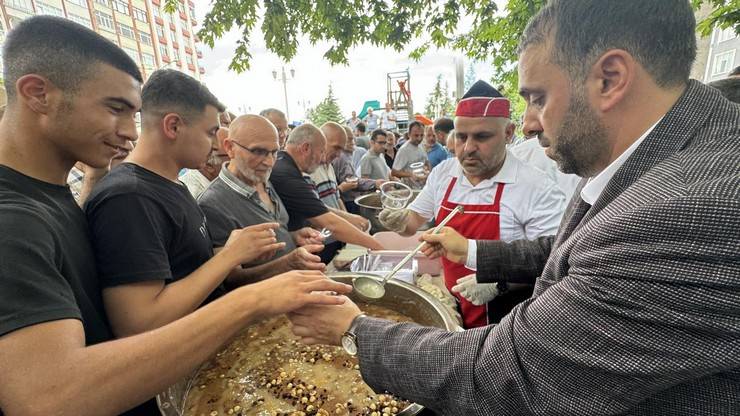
(257,151)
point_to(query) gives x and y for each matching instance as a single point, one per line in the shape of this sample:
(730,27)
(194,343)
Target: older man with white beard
(242,196)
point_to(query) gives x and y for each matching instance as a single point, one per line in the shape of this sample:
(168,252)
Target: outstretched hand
(321,324)
(257,242)
(297,289)
(448,243)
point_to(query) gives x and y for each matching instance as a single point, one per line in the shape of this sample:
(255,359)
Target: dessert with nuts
(267,371)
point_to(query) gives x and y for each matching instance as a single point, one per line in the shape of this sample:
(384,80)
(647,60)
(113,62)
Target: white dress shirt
(531,204)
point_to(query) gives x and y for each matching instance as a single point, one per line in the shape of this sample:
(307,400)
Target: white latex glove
(474,292)
(394,219)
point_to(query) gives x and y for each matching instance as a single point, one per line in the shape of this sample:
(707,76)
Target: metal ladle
(371,289)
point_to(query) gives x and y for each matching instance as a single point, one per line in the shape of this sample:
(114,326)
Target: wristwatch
(349,339)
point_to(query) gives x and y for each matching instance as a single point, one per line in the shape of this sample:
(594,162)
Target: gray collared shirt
(229,204)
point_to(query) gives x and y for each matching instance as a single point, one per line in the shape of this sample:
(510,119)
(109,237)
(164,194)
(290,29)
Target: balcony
(191,4)
(155,2)
(172,26)
(202,70)
(183,16)
(193,22)
(188,50)
(185,33)
(200,54)
(159,21)
(163,41)
(191,67)
(175,45)
(166,59)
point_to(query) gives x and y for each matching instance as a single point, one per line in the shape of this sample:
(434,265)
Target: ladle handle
(408,257)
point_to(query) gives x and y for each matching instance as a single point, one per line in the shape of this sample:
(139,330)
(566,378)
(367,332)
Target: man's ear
(611,78)
(229,148)
(509,131)
(171,123)
(36,92)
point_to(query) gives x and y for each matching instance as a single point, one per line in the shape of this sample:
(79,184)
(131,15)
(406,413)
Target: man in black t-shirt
(147,230)
(72,96)
(304,150)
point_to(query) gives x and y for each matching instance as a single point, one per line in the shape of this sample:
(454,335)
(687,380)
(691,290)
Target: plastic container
(393,241)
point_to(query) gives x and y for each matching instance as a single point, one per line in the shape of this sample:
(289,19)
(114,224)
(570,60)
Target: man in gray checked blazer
(637,310)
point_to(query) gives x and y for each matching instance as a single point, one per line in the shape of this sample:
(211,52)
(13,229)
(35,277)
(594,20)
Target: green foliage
(725,13)
(395,23)
(326,110)
(440,102)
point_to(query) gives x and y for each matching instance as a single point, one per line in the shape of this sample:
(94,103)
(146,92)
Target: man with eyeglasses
(372,164)
(243,196)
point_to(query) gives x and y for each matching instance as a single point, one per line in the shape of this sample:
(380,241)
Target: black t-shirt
(47,268)
(300,199)
(145,227)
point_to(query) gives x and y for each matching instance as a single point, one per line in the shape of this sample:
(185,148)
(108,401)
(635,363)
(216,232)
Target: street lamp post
(284,78)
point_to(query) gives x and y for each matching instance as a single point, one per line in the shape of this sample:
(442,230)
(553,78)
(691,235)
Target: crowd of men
(595,264)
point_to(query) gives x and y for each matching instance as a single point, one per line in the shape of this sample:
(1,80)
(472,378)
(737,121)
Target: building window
(726,34)
(145,38)
(189,59)
(140,15)
(120,6)
(84,21)
(192,13)
(163,51)
(723,62)
(24,5)
(134,54)
(81,3)
(126,31)
(103,2)
(181,7)
(155,11)
(174,35)
(104,20)
(148,60)
(160,31)
(43,8)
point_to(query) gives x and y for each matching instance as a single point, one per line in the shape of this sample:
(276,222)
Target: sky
(364,79)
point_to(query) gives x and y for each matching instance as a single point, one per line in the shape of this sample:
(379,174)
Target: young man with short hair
(372,164)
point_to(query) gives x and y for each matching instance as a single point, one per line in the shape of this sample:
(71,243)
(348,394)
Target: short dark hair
(444,124)
(416,123)
(171,91)
(729,87)
(659,34)
(361,127)
(378,132)
(735,71)
(60,50)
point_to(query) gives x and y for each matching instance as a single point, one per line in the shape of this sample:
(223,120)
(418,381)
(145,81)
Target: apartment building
(152,37)
(724,54)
